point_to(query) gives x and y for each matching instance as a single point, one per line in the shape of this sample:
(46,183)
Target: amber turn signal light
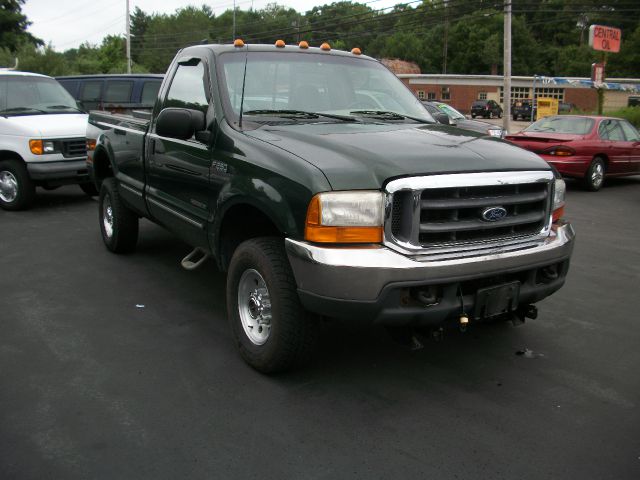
(91,144)
(36,147)
(557,214)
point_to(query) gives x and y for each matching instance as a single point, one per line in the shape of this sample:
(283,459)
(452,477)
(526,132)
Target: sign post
(604,39)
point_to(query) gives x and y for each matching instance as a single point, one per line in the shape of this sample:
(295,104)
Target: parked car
(522,109)
(320,205)
(114,93)
(42,138)
(586,147)
(448,115)
(486,109)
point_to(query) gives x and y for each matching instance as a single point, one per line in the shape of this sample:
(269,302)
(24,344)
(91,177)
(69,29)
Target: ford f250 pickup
(323,187)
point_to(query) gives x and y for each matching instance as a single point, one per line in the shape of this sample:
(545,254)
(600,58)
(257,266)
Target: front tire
(118,224)
(271,328)
(594,178)
(17,190)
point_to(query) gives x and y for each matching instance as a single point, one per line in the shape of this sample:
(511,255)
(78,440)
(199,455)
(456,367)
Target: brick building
(460,91)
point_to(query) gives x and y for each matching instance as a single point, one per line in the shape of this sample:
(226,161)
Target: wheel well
(9,155)
(101,167)
(240,223)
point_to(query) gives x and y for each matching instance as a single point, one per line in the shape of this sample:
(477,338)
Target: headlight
(39,147)
(559,193)
(345,217)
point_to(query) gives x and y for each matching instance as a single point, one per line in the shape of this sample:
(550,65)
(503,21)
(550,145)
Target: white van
(42,138)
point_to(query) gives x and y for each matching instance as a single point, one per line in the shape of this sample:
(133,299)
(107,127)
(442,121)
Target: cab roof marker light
(280,44)
(325,46)
(356,51)
(238,42)
(303,44)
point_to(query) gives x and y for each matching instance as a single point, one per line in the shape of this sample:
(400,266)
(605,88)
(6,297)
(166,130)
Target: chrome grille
(76,147)
(446,210)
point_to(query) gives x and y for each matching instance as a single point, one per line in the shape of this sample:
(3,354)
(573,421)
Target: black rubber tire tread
(293,330)
(586,181)
(26,187)
(125,221)
(89,189)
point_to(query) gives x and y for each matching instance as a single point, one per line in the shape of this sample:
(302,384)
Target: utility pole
(446,37)
(234,21)
(506,111)
(128,40)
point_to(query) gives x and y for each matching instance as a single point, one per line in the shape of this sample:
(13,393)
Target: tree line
(549,37)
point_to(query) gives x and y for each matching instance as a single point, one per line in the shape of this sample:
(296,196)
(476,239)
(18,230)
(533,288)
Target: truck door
(178,170)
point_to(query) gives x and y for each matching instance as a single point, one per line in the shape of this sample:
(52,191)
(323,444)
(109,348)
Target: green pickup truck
(323,187)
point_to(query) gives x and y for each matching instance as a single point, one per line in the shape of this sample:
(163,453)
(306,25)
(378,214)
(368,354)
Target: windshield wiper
(300,113)
(387,115)
(21,109)
(64,107)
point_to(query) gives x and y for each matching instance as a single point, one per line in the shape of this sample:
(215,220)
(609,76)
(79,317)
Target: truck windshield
(27,95)
(318,83)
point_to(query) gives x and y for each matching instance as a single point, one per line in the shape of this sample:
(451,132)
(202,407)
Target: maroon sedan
(586,147)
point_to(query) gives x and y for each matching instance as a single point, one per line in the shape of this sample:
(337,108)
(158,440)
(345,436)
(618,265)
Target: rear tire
(271,328)
(17,190)
(594,178)
(89,189)
(118,224)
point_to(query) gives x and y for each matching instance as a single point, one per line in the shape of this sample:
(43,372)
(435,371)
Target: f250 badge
(493,214)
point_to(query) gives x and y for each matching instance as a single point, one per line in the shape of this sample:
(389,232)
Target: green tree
(13,26)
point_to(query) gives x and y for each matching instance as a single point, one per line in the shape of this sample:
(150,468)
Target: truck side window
(3,93)
(187,89)
(150,92)
(91,91)
(118,91)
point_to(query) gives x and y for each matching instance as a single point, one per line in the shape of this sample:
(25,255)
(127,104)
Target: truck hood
(365,156)
(46,126)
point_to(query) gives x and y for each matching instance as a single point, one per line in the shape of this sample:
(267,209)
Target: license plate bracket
(496,300)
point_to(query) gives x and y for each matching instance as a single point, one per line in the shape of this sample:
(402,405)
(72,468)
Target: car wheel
(271,328)
(17,190)
(500,114)
(473,116)
(118,224)
(89,189)
(515,117)
(594,177)
(490,114)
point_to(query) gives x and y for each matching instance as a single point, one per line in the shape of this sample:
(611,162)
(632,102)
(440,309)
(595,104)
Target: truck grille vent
(76,147)
(455,215)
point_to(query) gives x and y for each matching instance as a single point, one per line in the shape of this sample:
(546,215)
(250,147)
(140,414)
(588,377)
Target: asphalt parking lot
(122,367)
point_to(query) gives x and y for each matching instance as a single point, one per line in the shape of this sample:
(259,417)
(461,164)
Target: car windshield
(562,124)
(27,95)
(451,112)
(289,83)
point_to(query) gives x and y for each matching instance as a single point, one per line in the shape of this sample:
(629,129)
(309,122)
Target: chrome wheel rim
(254,307)
(597,176)
(8,186)
(107,216)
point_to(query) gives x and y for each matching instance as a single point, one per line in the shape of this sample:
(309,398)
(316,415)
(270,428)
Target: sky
(66,24)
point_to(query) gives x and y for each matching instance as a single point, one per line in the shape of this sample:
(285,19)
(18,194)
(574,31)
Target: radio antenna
(244,79)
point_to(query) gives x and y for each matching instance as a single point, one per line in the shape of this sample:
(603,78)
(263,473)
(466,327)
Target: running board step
(195,259)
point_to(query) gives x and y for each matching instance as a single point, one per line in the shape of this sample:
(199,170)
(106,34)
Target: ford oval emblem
(493,214)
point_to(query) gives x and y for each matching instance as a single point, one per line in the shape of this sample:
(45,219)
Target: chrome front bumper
(333,277)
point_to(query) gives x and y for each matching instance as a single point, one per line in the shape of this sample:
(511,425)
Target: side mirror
(443,118)
(180,123)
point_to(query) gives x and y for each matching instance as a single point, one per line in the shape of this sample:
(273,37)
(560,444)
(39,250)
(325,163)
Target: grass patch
(632,114)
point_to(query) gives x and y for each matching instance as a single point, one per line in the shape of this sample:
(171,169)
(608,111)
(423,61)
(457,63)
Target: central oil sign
(606,39)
